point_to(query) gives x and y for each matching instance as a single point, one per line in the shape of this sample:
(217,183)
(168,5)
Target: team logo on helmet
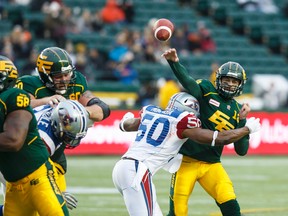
(8,73)
(43,65)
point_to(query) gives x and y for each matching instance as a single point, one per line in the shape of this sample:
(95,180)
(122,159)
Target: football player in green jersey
(24,159)
(58,80)
(219,111)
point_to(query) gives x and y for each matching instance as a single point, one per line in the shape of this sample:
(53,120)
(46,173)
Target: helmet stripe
(83,117)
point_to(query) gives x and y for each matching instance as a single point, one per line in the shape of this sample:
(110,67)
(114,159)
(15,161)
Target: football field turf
(261,184)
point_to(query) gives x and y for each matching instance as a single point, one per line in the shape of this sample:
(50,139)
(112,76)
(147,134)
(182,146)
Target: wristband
(215,134)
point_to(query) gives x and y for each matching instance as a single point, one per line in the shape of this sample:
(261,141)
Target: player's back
(159,136)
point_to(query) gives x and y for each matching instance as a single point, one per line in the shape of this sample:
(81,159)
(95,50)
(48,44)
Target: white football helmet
(184,102)
(70,122)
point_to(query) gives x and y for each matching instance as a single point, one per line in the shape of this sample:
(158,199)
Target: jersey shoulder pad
(187,121)
(80,79)
(207,87)
(16,99)
(29,83)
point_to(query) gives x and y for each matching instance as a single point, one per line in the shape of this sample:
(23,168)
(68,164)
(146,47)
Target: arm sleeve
(188,82)
(241,146)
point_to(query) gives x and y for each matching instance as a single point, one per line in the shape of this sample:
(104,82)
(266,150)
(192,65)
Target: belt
(128,158)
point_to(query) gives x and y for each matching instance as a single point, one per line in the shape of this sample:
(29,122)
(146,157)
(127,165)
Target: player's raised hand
(244,111)
(171,54)
(253,124)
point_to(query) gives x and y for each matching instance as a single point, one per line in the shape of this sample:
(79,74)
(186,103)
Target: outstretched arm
(224,137)
(97,109)
(188,82)
(129,123)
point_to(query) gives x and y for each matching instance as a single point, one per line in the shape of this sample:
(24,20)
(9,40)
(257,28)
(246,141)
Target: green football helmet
(8,73)
(54,61)
(234,70)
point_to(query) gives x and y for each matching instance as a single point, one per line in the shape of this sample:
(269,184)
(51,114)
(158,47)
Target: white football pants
(134,181)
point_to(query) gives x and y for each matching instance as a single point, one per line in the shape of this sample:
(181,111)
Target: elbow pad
(104,106)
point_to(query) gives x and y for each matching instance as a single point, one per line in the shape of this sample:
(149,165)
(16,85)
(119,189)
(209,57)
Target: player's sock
(230,208)
(1,210)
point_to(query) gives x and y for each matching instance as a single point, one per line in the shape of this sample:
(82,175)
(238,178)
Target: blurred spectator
(120,47)
(55,24)
(194,43)
(70,20)
(7,48)
(128,7)
(21,41)
(111,13)
(96,59)
(124,71)
(179,40)
(96,21)
(206,41)
(147,93)
(29,66)
(166,89)
(83,22)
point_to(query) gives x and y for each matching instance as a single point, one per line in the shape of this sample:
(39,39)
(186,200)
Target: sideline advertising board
(105,138)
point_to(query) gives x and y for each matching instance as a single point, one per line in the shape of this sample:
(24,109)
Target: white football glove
(70,199)
(127,115)
(253,124)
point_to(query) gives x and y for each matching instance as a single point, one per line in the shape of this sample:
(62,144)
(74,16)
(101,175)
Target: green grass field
(261,184)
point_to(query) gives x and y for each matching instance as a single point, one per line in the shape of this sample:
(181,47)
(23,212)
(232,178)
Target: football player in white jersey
(61,127)
(159,138)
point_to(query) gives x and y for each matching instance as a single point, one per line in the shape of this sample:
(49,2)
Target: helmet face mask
(234,71)
(8,73)
(61,82)
(54,61)
(69,122)
(184,102)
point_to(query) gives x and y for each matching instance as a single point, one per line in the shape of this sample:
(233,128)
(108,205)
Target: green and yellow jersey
(216,113)
(17,165)
(34,86)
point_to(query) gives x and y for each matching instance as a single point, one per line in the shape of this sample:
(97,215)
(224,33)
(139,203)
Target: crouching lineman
(160,135)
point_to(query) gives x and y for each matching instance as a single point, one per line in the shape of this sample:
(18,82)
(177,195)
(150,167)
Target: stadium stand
(233,30)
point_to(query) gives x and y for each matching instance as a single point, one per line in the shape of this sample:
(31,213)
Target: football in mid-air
(163,29)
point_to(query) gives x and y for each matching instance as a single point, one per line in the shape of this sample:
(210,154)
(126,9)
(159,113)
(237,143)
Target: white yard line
(92,190)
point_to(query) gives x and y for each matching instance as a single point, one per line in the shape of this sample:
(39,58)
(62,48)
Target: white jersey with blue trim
(159,136)
(43,116)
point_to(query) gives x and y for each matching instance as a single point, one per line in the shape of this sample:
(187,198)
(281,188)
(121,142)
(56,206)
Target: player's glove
(127,116)
(70,199)
(253,124)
